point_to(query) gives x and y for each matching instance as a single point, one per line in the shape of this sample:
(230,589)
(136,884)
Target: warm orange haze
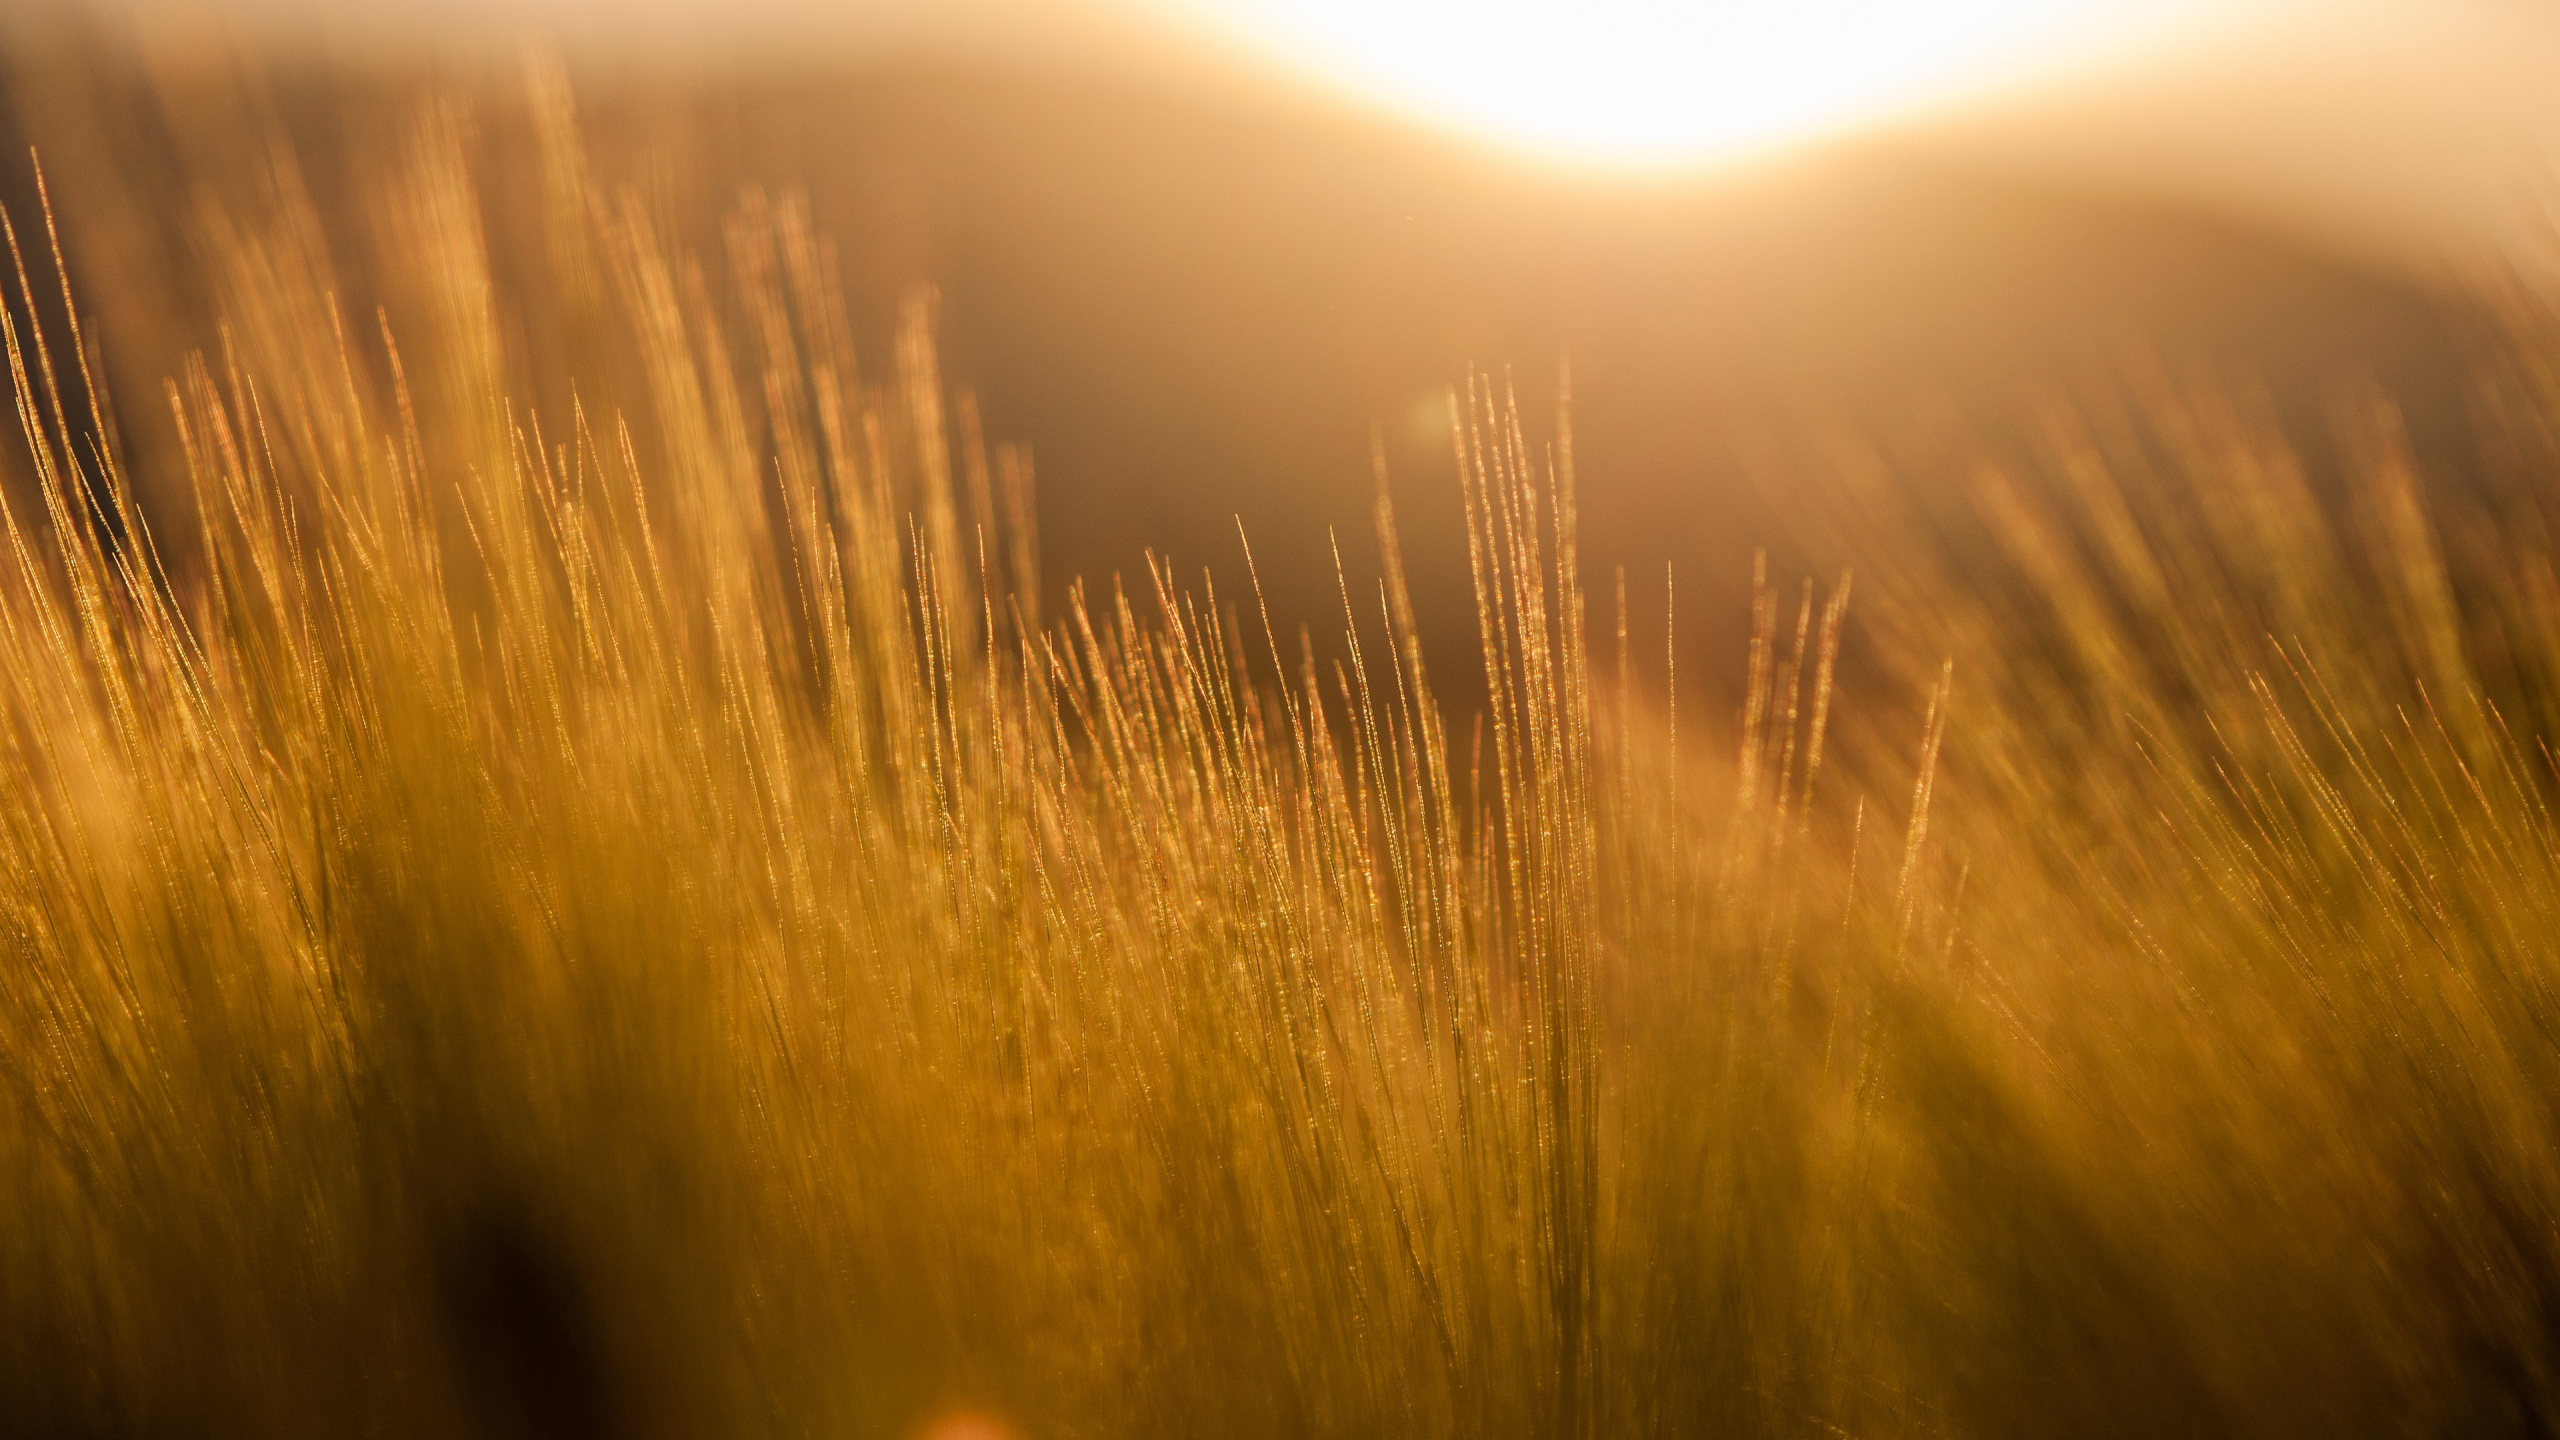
(1665,83)
(1029,718)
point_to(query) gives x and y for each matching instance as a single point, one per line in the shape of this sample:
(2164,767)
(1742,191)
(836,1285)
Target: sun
(1666,82)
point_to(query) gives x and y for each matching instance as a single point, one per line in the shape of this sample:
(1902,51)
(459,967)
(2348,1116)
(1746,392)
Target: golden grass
(628,919)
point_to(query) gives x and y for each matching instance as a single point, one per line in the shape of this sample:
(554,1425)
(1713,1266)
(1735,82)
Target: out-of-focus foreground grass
(599,903)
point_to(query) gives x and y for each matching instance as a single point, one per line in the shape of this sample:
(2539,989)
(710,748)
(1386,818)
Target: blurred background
(1201,256)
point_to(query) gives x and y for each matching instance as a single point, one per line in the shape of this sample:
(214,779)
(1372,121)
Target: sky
(2422,132)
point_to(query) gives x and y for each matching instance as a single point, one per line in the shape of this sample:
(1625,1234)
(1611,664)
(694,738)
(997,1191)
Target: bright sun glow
(1669,81)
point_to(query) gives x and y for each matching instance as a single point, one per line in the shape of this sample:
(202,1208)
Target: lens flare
(1661,81)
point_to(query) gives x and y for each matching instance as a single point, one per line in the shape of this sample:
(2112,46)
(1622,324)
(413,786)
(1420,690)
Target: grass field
(617,901)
